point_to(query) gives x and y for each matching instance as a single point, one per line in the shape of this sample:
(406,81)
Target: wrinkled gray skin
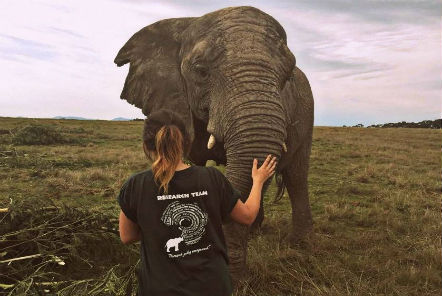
(229,73)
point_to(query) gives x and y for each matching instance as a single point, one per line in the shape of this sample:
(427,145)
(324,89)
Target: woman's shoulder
(214,174)
(200,171)
(215,170)
(140,175)
(207,169)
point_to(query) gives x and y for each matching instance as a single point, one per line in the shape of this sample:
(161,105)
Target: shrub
(38,134)
(5,136)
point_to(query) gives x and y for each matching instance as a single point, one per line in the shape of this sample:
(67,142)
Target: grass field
(375,195)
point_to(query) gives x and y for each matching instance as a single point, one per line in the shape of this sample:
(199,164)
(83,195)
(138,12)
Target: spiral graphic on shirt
(189,218)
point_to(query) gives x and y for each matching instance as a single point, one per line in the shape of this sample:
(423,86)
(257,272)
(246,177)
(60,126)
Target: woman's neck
(181,166)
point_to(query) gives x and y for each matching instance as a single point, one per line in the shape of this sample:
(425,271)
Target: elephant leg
(236,239)
(295,177)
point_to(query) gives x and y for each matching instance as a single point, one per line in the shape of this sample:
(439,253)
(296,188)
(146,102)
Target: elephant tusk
(284,147)
(211,142)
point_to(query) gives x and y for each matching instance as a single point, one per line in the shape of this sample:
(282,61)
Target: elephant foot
(301,236)
(237,265)
(238,273)
(302,224)
(241,286)
(236,239)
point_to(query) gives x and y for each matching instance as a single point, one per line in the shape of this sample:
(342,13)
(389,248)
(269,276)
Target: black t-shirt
(183,251)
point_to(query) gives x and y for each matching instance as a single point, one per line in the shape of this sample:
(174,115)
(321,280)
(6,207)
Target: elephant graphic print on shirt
(189,218)
(173,243)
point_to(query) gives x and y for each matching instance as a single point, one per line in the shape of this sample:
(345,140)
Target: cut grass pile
(67,250)
(375,196)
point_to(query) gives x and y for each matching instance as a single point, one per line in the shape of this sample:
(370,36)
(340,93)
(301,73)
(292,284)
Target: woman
(177,211)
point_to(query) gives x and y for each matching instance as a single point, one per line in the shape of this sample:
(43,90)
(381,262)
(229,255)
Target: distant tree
(435,124)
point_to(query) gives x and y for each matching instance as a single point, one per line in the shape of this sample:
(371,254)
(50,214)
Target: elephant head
(224,70)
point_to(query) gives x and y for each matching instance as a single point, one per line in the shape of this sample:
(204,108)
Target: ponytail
(169,149)
(165,141)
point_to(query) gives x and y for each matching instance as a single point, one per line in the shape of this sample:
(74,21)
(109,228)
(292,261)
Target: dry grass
(375,196)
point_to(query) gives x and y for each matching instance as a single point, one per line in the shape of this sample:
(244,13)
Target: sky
(368,61)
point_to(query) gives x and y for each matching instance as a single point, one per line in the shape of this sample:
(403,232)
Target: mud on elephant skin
(234,81)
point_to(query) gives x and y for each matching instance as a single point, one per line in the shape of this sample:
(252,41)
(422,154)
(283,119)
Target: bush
(38,134)
(5,136)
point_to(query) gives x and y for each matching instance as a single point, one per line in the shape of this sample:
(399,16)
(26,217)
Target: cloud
(13,48)
(378,11)
(367,61)
(368,71)
(69,32)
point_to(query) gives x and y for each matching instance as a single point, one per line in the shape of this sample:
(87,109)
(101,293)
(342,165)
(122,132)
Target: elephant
(232,78)
(173,243)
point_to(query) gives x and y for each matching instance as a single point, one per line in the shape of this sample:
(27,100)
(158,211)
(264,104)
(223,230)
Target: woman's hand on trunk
(245,213)
(265,171)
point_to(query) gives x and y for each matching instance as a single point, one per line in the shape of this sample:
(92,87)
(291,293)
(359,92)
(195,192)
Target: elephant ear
(298,102)
(154,81)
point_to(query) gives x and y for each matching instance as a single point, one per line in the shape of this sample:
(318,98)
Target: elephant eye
(201,71)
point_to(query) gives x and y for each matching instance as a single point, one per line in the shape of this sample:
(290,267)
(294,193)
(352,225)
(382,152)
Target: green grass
(375,196)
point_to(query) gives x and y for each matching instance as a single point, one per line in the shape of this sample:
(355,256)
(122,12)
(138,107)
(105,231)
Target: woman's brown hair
(165,141)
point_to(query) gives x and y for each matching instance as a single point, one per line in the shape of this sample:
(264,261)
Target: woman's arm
(129,231)
(245,213)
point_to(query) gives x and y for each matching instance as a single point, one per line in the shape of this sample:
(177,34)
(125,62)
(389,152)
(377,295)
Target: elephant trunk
(256,131)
